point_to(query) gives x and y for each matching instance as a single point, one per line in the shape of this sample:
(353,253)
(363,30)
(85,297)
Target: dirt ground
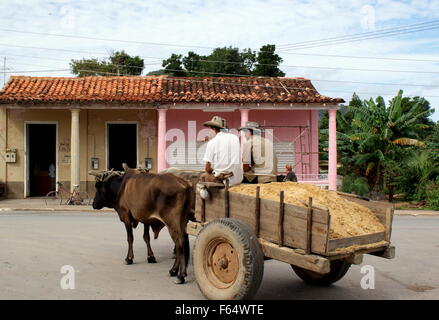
(35,245)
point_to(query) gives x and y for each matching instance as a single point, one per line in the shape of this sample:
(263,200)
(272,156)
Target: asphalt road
(35,246)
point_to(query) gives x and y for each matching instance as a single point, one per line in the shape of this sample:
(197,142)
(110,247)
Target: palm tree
(379,132)
(420,170)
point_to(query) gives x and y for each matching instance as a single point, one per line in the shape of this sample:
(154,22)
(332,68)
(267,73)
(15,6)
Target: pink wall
(178,119)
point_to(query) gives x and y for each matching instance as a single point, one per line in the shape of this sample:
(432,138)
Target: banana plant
(379,131)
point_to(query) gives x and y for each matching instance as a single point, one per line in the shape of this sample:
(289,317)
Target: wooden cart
(236,233)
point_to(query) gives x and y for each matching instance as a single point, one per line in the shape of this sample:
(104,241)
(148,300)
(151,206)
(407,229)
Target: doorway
(121,145)
(41,158)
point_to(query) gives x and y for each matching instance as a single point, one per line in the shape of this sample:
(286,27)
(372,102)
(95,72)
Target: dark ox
(155,200)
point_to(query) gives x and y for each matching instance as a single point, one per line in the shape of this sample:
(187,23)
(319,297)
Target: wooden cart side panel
(377,207)
(214,207)
(295,225)
(357,240)
(389,222)
(243,207)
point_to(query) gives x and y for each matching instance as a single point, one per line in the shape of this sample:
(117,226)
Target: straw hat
(216,122)
(251,125)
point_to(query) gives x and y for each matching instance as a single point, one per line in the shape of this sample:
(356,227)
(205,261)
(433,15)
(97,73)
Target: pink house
(287,108)
(73,125)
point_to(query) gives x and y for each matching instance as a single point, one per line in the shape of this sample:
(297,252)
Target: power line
(296,66)
(108,39)
(354,40)
(225,62)
(4,70)
(358,34)
(240,75)
(109,64)
(31,71)
(299,45)
(364,36)
(54,49)
(360,57)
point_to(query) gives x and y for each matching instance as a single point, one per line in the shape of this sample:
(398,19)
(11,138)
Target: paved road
(34,247)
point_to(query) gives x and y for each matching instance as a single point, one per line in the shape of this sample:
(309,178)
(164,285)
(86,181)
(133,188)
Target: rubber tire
(250,259)
(338,270)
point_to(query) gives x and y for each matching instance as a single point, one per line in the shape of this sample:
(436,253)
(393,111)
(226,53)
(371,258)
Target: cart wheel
(228,261)
(337,271)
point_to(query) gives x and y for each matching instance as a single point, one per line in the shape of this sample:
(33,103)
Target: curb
(417,214)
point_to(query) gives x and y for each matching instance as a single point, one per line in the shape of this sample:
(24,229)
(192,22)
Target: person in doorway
(222,154)
(258,155)
(52,175)
(291,176)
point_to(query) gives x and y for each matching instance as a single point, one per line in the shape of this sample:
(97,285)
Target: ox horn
(125,166)
(95,173)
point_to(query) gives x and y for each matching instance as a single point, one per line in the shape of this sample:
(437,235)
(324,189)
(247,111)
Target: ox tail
(189,212)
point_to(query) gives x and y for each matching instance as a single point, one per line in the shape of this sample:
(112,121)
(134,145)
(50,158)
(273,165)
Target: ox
(155,200)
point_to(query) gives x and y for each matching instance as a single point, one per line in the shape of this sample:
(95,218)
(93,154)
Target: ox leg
(180,265)
(183,254)
(186,252)
(151,258)
(174,270)
(130,238)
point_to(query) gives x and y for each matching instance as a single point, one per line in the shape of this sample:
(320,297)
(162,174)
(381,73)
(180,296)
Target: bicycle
(64,196)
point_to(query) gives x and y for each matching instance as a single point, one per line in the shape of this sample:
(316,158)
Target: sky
(166,27)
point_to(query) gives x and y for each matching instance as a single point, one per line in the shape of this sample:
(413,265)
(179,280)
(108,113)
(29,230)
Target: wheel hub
(222,264)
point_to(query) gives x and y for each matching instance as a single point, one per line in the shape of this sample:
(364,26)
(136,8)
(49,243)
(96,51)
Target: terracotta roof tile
(161,89)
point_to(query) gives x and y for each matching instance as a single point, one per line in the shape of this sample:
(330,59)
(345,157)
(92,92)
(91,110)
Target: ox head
(107,187)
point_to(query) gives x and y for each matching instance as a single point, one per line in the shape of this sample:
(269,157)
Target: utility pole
(4,70)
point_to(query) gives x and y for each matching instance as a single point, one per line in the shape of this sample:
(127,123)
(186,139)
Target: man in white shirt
(222,154)
(258,155)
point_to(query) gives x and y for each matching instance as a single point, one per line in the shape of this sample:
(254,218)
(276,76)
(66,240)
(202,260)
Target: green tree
(194,64)
(395,148)
(118,63)
(380,132)
(418,171)
(345,146)
(123,63)
(433,139)
(159,72)
(424,126)
(173,66)
(268,62)
(226,61)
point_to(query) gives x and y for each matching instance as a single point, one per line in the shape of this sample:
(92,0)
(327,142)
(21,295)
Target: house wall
(16,140)
(293,118)
(3,139)
(92,141)
(147,135)
(179,119)
(93,136)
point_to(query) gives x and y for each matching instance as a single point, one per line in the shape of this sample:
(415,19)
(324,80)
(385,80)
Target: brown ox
(153,199)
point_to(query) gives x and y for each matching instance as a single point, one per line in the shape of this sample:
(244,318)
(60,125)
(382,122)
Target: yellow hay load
(348,218)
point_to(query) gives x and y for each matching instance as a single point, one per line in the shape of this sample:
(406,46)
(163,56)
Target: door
(41,158)
(285,155)
(121,145)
